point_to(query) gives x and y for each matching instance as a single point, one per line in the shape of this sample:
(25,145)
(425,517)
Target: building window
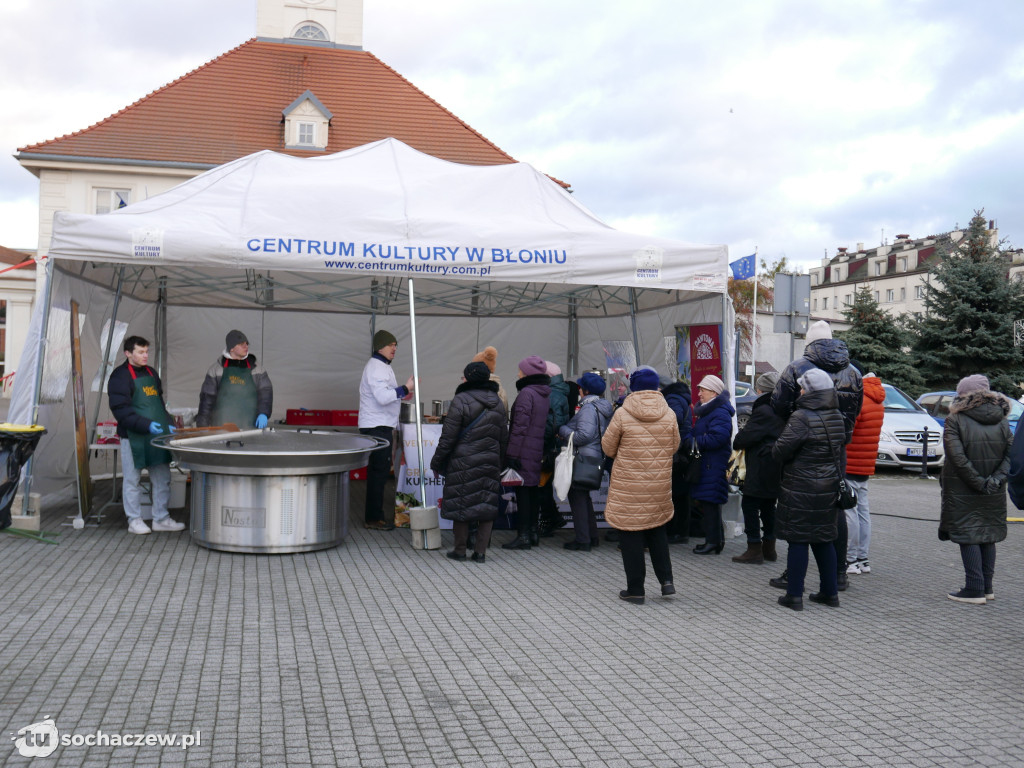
(307,134)
(815,309)
(878,268)
(837,274)
(824,303)
(310,31)
(814,279)
(846,299)
(890,295)
(903,294)
(108,200)
(903,264)
(876,297)
(918,291)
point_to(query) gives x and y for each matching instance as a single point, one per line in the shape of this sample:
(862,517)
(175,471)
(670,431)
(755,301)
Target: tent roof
(346,231)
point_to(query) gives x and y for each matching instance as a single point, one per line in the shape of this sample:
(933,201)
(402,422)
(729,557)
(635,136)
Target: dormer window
(310,30)
(306,123)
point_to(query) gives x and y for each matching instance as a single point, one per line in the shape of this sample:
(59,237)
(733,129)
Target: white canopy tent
(309,256)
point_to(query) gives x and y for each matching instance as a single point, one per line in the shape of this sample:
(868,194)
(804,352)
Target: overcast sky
(796,127)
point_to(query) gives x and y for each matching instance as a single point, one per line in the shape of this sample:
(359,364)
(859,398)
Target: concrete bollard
(426,534)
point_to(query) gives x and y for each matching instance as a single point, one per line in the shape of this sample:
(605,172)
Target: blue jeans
(858,522)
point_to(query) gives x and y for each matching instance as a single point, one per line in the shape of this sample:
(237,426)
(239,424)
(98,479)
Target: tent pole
(416,395)
(161,327)
(106,351)
(728,362)
(38,389)
(574,339)
(632,317)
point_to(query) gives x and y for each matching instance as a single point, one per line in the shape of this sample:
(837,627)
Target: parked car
(903,429)
(937,405)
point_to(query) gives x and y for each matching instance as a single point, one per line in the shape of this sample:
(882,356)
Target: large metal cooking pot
(269,491)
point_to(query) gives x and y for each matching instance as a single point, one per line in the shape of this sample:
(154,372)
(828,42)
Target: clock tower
(330,23)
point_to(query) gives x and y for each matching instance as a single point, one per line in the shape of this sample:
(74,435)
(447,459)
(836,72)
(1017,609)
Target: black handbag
(693,467)
(846,497)
(587,472)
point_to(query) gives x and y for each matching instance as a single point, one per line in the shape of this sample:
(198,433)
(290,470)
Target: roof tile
(231,107)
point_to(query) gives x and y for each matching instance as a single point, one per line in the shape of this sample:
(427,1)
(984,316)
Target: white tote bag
(563,471)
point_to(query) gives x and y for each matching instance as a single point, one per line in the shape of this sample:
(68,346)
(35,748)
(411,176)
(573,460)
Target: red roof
(232,107)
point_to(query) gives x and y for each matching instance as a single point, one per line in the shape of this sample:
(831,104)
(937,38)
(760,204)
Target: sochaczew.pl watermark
(42,738)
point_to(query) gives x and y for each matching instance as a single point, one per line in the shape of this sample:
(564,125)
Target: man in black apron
(236,390)
(136,400)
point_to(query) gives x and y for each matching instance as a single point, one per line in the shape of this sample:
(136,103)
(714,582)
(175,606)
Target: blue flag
(743,269)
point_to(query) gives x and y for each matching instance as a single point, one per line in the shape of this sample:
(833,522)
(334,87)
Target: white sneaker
(865,566)
(853,567)
(990,596)
(137,525)
(166,524)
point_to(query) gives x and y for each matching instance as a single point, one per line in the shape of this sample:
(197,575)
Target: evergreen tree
(880,342)
(970,308)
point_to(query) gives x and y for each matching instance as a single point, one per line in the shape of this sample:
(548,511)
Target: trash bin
(17,444)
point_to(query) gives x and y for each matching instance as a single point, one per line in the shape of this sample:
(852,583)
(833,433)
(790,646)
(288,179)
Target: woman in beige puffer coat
(642,438)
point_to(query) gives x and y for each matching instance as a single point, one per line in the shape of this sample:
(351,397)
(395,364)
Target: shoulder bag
(693,458)
(846,497)
(587,471)
(564,464)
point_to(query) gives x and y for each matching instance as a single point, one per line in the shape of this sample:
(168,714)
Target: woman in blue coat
(713,433)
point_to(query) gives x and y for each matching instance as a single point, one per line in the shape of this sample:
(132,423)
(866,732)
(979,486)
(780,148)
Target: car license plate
(917,452)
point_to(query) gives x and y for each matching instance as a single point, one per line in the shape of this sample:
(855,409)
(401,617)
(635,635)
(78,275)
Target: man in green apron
(236,389)
(136,401)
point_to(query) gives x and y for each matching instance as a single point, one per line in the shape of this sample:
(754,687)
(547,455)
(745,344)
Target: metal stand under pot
(270,492)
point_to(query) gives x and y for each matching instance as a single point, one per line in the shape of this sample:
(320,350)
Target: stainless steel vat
(270,491)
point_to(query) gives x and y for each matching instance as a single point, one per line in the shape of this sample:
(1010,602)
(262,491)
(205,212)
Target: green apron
(148,404)
(236,399)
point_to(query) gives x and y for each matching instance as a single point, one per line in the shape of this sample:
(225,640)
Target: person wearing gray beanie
(978,445)
(974,383)
(761,485)
(833,357)
(236,389)
(810,451)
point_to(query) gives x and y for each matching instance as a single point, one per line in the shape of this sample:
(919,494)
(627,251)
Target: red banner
(705,350)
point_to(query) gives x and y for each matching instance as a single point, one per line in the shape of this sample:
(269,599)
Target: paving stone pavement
(374,654)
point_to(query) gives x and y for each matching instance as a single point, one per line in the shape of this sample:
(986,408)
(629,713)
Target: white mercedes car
(906,424)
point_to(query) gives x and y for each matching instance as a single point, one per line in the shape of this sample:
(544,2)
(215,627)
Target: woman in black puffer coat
(471,454)
(761,487)
(811,449)
(977,444)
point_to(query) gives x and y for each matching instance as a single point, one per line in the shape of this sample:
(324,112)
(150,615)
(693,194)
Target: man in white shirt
(380,403)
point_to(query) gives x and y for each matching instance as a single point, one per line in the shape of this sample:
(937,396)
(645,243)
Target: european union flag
(743,269)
